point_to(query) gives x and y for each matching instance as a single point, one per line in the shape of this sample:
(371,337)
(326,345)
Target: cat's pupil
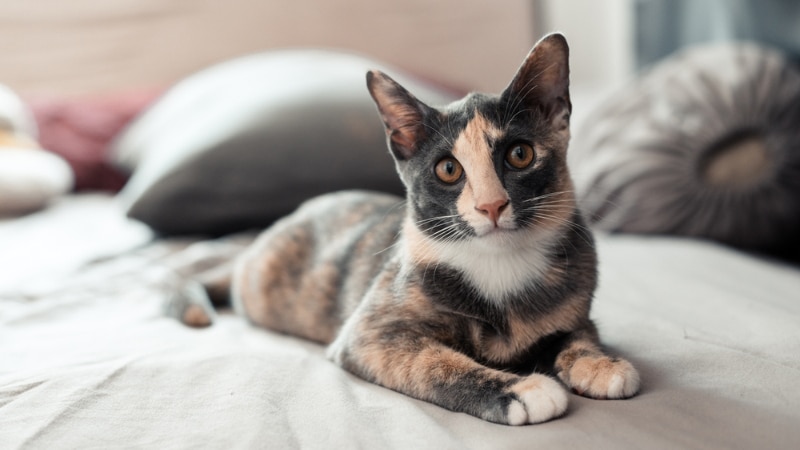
(448,170)
(519,156)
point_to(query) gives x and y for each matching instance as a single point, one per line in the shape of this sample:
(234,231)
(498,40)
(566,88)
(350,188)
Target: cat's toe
(538,399)
(602,377)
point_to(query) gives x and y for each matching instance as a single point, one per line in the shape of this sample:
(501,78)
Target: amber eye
(520,156)
(449,170)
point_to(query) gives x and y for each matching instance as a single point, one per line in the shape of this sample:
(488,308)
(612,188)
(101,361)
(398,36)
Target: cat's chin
(510,238)
(503,228)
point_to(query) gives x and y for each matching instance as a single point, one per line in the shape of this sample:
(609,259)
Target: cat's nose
(492,209)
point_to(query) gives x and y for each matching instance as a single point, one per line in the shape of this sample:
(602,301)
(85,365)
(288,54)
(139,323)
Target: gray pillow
(243,143)
(705,144)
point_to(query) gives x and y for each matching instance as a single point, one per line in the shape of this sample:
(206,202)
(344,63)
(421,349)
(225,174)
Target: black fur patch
(475,391)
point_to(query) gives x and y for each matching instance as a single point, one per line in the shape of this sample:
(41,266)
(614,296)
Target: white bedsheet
(87,359)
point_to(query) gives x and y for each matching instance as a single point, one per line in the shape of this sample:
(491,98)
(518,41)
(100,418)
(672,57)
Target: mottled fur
(457,294)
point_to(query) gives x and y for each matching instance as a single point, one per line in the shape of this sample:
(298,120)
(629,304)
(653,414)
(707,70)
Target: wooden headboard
(81,46)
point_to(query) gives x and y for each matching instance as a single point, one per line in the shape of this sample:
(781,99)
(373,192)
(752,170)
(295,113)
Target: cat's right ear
(403,114)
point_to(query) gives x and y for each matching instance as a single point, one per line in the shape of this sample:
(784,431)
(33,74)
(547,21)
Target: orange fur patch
(523,332)
(195,316)
(472,150)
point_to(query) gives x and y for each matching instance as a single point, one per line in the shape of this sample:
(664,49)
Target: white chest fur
(496,265)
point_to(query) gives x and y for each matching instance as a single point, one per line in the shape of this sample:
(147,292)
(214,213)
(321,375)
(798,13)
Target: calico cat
(484,274)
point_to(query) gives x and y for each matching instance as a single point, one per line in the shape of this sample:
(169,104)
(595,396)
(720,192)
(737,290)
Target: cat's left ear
(543,80)
(403,114)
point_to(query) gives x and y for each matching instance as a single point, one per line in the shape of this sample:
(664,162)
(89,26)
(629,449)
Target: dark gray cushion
(243,143)
(705,144)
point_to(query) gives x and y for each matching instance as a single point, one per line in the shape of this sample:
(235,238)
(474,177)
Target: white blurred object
(29,177)
(14,115)
(600,36)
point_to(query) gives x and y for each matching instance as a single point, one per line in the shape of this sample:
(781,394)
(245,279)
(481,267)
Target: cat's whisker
(526,91)
(555,207)
(518,112)
(552,194)
(389,247)
(433,219)
(392,209)
(425,272)
(431,128)
(441,223)
(550,204)
(539,221)
(582,231)
(523,93)
(448,234)
(446,139)
(436,229)
(568,198)
(548,212)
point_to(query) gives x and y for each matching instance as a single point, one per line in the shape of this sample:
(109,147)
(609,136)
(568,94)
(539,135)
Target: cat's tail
(194,301)
(202,280)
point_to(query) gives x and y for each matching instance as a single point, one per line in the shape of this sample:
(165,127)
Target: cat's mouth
(500,229)
(457,228)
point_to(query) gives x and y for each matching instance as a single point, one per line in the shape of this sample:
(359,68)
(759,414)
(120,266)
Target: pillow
(243,143)
(80,129)
(705,144)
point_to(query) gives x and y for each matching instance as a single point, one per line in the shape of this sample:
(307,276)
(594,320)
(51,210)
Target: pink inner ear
(400,113)
(403,124)
(403,139)
(544,76)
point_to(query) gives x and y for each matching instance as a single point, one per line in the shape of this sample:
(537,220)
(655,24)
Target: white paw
(541,398)
(603,378)
(624,385)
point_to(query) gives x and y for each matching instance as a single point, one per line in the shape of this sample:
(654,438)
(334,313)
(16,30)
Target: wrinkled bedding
(88,360)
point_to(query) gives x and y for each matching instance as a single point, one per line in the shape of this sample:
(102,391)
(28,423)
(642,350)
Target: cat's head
(485,165)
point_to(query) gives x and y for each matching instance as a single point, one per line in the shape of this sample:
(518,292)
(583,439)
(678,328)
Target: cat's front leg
(418,366)
(588,371)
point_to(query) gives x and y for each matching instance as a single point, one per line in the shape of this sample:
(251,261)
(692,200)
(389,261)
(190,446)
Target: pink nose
(492,209)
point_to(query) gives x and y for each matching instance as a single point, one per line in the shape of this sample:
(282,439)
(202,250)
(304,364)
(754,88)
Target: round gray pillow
(705,144)
(242,143)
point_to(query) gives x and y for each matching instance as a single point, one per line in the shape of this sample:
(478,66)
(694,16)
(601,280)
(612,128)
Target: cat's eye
(449,170)
(520,156)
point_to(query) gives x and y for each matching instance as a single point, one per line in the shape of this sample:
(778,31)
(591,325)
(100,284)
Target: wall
(600,33)
(53,46)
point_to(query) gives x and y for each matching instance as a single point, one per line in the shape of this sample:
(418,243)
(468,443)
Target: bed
(89,359)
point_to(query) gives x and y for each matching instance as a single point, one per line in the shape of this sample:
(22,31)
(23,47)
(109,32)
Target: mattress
(89,360)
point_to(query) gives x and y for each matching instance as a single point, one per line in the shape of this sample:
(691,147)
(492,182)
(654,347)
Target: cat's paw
(602,377)
(190,304)
(538,399)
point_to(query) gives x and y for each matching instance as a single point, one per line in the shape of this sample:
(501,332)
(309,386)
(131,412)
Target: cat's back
(308,271)
(345,214)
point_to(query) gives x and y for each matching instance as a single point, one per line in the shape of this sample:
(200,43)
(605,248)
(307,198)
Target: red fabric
(81,129)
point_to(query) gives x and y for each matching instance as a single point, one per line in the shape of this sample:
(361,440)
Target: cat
(468,294)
